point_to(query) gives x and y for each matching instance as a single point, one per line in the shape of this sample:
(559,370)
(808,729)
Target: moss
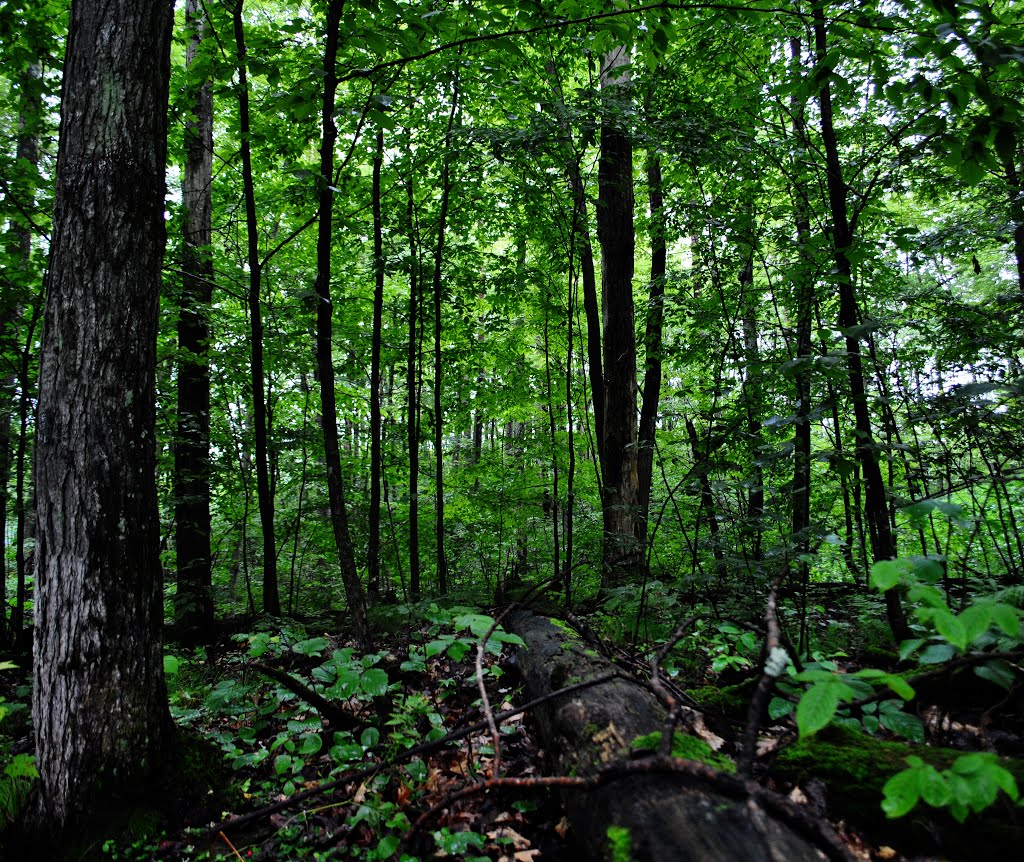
(620,843)
(688,748)
(732,701)
(854,768)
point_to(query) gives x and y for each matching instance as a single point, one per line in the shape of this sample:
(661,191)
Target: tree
(103,730)
(615,231)
(194,599)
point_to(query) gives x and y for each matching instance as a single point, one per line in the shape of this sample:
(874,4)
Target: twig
(485,701)
(326,708)
(776,661)
(690,772)
(232,846)
(402,757)
(669,700)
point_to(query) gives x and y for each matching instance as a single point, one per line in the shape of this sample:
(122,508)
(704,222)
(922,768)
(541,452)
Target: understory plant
(984,636)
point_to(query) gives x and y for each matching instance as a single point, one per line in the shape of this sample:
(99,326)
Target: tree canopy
(663,309)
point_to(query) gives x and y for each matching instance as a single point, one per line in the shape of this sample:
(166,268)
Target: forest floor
(315,751)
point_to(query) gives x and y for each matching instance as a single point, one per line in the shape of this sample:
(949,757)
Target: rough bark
(621,552)
(666,818)
(193,602)
(99,701)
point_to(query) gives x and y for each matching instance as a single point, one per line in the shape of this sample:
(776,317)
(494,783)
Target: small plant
(971,784)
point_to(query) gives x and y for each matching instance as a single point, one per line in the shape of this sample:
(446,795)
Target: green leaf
(311,744)
(171,665)
(886,574)
(818,706)
(369,737)
(374,682)
(950,628)
(933,787)
(387,847)
(1006,618)
(903,724)
(779,707)
(998,671)
(976,620)
(909,647)
(901,793)
(436,647)
(937,653)
(312,646)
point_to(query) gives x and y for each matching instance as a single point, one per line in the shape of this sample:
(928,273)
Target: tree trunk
(663,817)
(442,225)
(103,731)
(264,491)
(412,391)
(883,544)
(373,550)
(193,602)
(12,307)
(354,594)
(652,344)
(621,551)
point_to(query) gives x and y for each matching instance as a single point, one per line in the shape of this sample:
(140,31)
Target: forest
(520,431)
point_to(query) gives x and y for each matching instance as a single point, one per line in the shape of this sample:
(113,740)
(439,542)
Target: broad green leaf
(171,665)
(975,620)
(1007,618)
(901,793)
(950,628)
(998,671)
(903,724)
(779,707)
(886,574)
(312,646)
(374,682)
(818,705)
(938,653)
(311,744)
(933,788)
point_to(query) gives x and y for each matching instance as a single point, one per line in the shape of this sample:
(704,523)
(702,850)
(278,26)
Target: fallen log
(652,815)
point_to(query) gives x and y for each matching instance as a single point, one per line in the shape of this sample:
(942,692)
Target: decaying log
(666,816)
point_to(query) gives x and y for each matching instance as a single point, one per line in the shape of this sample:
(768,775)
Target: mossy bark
(665,818)
(855,767)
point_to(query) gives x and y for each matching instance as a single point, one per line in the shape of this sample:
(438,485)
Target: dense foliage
(827,207)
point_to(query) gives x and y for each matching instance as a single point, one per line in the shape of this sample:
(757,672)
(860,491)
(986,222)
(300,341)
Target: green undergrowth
(855,768)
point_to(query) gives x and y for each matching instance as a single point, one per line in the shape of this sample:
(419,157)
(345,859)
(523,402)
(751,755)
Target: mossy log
(854,768)
(651,815)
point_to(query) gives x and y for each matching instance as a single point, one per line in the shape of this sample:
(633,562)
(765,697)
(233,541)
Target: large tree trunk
(621,553)
(99,702)
(666,818)
(193,602)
